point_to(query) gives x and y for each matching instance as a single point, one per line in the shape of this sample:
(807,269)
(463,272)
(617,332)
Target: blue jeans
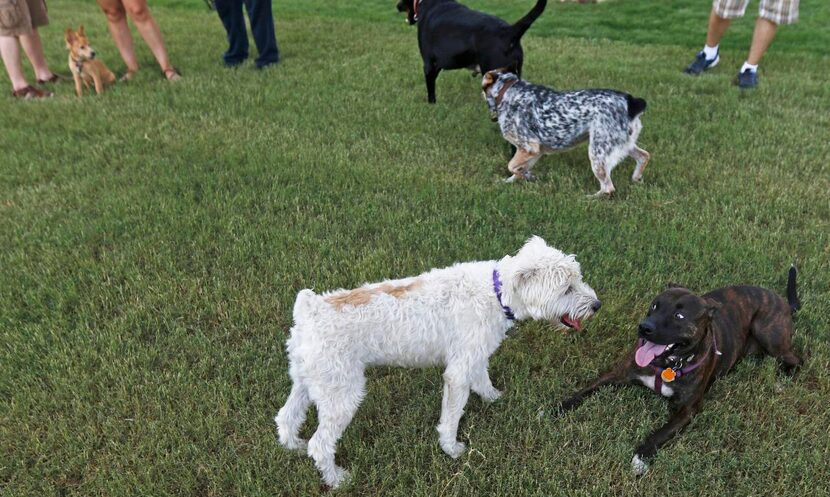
(262,27)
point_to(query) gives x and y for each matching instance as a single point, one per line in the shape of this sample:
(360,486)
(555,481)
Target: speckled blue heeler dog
(539,120)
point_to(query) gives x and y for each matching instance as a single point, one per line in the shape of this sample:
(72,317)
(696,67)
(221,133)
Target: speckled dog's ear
(489,78)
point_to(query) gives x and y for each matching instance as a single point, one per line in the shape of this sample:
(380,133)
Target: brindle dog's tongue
(647,352)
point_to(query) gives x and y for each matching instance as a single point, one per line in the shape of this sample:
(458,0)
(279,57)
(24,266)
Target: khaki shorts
(20,17)
(777,11)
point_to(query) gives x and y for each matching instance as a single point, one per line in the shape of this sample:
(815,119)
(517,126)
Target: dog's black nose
(646,328)
(597,304)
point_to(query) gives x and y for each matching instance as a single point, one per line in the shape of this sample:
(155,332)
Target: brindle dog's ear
(671,285)
(711,306)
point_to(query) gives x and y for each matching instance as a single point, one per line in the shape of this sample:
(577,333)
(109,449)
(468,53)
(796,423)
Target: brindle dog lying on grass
(687,341)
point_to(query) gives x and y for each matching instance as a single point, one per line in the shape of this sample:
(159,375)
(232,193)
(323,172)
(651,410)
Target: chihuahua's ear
(81,31)
(711,306)
(69,36)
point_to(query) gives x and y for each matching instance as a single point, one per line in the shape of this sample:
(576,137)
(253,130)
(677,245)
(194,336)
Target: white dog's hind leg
(456,393)
(292,416)
(334,411)
(483,386)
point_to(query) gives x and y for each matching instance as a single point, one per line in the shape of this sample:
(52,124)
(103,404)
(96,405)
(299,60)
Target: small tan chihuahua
(85,67)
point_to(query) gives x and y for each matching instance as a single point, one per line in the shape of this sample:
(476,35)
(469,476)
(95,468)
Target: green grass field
(153,241)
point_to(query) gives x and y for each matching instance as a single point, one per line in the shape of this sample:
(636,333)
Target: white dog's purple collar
(508,312)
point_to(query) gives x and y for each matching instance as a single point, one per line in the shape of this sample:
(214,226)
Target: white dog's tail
(305,305)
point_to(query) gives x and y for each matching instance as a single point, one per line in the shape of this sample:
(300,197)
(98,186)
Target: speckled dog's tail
(636,106)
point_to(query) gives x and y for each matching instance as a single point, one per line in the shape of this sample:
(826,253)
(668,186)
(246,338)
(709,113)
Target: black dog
(451,36)
(687,341)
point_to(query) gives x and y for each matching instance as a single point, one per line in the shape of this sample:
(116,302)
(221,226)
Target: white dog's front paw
(297,444)
(339,477)
(491,395)
(637,178)
(638,465)
(511,179)
(454,449)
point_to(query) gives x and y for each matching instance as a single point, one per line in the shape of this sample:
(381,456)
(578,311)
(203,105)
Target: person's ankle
(751,67)
(710,52)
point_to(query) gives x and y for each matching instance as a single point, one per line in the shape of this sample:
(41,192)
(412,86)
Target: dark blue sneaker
(701,64)
(747,79)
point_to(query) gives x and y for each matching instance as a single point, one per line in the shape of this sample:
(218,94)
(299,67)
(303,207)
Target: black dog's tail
(792,294)
(524,23)
(636,106)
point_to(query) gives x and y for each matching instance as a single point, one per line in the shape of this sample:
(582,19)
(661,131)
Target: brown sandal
(54,79)
(30,92)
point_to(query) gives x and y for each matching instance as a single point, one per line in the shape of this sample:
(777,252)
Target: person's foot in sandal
(171,74)
(55,78)
(30,92)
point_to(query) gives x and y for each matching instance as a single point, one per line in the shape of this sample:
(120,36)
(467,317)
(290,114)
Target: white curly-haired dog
(455,317)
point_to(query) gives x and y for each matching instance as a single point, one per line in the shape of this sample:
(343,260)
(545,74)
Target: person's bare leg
(34,50)
(117,20)
(151,33)
(717,27)
(761,38)
(10,51)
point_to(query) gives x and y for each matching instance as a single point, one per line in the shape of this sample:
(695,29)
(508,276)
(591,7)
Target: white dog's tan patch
(363,295)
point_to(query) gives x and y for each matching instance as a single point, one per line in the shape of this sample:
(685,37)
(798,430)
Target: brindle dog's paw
(638,465)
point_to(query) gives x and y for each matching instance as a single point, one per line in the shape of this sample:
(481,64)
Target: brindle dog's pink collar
(658,372)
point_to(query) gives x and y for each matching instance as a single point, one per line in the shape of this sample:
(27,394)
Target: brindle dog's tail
(792,293)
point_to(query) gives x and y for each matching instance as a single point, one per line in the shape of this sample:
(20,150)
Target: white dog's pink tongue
(647,352)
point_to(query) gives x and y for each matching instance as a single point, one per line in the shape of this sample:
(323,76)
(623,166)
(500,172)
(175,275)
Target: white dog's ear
(549,269)
(535,241)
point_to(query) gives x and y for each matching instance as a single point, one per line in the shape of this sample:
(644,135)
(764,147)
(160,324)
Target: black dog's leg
(648,449)
(614,377)
(431,74)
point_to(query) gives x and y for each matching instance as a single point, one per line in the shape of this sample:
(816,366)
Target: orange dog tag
(668,375)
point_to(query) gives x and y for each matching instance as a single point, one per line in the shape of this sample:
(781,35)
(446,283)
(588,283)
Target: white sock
(749,66)
(710,52)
